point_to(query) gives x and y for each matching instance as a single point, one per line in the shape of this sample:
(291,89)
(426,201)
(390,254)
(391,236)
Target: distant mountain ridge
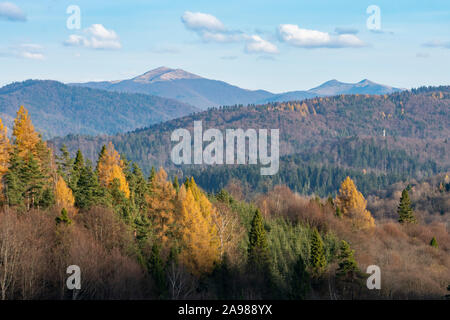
(57,109)
(416,120)
(204,93)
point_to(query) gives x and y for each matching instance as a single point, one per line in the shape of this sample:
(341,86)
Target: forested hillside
(402,135)
(158,237)
(59,109)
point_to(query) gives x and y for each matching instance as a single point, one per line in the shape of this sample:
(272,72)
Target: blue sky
(274,45)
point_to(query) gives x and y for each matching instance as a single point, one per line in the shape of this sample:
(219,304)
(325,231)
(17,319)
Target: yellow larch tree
(110,167)
(201,248)
(63,194)
(161,204)
(352,204)
(5,148)
(26,138)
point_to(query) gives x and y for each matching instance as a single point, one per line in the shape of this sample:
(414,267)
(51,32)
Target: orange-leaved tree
(161,204)
(63,194)
(200,244)
(352,205)
(110,167)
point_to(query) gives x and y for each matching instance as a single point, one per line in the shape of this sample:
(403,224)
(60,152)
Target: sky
(276,45)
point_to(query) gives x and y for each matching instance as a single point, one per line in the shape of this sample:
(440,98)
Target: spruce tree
(348,268)
(157,271)
(300,281)
(64,163)
(317,259)
(258,256)
(14,185)
(404,210)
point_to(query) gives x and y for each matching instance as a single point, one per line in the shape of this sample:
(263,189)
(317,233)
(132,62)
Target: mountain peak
(164,74)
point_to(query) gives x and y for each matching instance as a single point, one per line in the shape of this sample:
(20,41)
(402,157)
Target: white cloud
(202,21)
(211,29)
(96,37)
(9,11)
(305,38)
(256,44)
(27,51)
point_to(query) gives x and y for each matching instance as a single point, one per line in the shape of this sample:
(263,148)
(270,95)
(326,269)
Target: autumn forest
(162,236)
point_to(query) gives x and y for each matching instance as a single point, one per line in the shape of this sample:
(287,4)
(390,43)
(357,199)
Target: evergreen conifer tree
(404,210)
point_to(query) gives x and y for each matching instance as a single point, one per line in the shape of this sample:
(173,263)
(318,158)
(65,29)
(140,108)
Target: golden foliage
(63,194)
(353,205)
(162,207)
(5,148)
(110,167)
(26,138)
(199,234)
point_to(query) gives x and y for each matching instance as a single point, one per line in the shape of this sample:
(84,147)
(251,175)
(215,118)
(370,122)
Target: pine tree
(353,205)
(317,258)
(258,256)
(434,243)
(405,212)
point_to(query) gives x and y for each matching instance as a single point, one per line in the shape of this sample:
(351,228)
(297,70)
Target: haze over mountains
(156,96)
(204,93)
(58,109)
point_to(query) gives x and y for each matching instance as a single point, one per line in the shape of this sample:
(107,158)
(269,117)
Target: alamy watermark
(235,141)
(374,280)
(374,20)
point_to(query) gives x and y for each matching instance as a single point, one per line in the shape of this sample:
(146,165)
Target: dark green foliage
(348,268)
(88,191)
(404,210)
(224,197)
(317,260)
(434,243)
(258,258)
(26,184)
(300,281)
(157,271)
(348,273)
(63,218)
